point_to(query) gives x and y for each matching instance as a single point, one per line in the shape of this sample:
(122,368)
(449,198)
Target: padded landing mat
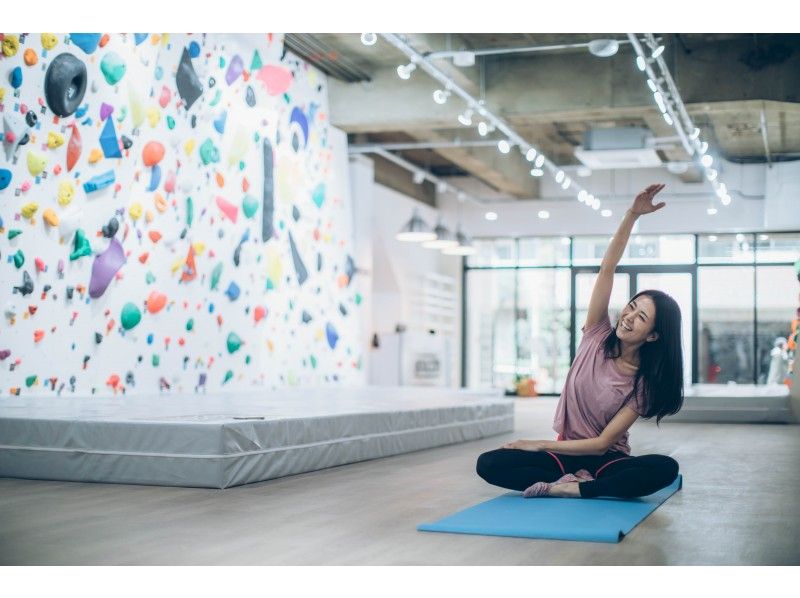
(582,519)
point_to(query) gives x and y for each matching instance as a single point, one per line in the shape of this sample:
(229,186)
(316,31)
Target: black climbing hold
(250,96)
(194,121)
(110,229)
(237,255)
(212,81)
(65,84)
(98,338)
(26,288)
(295,214)
(25,139)
(299,266)
(189,86)
(70,292)
(31,118)
(306,317)
(183,233)
(126,142)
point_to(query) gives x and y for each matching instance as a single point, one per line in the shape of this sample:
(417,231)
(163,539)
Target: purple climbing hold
(105,110)
(235,69)
(105,268)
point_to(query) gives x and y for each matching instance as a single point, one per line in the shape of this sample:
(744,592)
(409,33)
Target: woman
(619,374)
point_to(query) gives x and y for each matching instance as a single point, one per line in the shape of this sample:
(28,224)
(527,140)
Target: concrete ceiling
(730,83)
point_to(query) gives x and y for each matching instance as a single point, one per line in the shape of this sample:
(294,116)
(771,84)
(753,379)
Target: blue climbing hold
(81,112)
(16,77)
(194,49)
(138,38)
(85,41)
(150,339)
(233,291)
(5,178)
(219,122)
(159,72)
(300,118)
(101,181)
(108,140)
(155,179)
(333,337)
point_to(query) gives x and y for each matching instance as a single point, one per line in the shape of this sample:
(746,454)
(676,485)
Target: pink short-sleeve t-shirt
(595,390)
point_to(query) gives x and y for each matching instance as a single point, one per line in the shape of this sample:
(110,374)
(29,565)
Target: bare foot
(565,489)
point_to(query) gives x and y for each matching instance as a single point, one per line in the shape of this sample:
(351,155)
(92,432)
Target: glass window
(725,324)
(777,247)
(543,327)
(544,251)
(776,306)
(490,344)
(641,249)
(493,252)
(725,249)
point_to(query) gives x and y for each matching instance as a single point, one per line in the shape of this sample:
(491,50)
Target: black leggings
(616,474)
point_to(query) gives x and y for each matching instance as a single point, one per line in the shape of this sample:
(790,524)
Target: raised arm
(601,294)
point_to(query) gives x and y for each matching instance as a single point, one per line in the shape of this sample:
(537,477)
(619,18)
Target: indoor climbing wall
(174,217)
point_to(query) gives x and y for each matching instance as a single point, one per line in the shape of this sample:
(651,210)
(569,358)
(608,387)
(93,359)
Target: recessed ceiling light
(369,39)
(490,215)
(544,214)
(606,213)
(603,48)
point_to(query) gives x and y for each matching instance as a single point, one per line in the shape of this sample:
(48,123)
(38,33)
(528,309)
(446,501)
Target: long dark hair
(660,371)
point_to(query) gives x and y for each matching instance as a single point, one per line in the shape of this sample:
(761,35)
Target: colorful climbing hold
(208,152)
(152,153)
(130,316)
(29,209)
(113,68)
(233,342)
(49,41)
(87,42)
(81,246)
(50,217)
(10,45)
(36,163)
(54,140)
(156,302)
(249,206)
(105,267)
(227,208)
(30,57)
(73,148)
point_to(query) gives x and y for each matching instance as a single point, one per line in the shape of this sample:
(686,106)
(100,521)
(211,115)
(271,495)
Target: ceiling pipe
(369,148)
(500,124)
(498,51)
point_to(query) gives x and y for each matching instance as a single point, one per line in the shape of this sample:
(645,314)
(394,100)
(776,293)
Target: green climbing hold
(82,247)
(170,122)
(221,62)
(247,360)
(249,206)
(30,381)
(155,360)
(358,299)
(131,316)
(228,376)
(208,152)
(149,278)
(123,112)
(14,232)
(190,324)
(215,274)
(313,362)
(189,211)
(217,98)
(19,259)
(270,285)
(241,165)
(287,99)
(113,68)
(256,63)
(234,342)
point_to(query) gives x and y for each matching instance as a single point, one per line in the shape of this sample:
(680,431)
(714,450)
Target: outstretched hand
(643,204)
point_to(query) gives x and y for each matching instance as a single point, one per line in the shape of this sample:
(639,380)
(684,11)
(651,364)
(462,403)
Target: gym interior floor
(738,506)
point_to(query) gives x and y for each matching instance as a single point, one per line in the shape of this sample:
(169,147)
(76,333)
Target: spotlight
(537,172)
(503,146)
(711,175)
(704,147)
(695,134)
(440,96)
(490,215)
(539,161)
(404,70)
(652,85)
(668,119)
(465,118)
(560,176)
(369,39)
(595,204)
(582,195)
(706,160)
(419,177)
(641,63)
(544,214)
(658,51)
(567,182)
(711,211)
(483,129)
(603,48)
(606,213)
(725,199)
(530,155)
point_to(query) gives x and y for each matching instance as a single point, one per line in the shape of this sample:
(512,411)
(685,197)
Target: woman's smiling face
(637,320)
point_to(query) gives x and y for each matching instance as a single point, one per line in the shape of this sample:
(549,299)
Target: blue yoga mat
(582,519)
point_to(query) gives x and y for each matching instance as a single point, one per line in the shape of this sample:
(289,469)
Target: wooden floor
(740,504)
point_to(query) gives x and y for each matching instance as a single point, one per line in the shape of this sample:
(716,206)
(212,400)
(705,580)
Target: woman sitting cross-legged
(633,369)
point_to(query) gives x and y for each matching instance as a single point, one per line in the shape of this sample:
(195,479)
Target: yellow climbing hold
(137,110)
(66,192)
(177,264)
(36,163)
(29,209)
(95,156)
(55,140)
(199,247)
(153,116)
(2,93)
(135,211)
(164,39)
(188,147)
(50,217)
(49,41)
(10,44)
